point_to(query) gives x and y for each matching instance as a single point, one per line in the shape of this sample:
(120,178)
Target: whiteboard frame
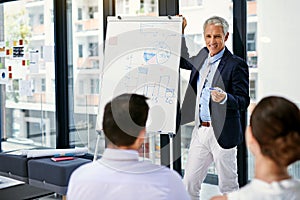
(168,19)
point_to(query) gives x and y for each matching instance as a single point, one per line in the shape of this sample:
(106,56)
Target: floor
(209,191)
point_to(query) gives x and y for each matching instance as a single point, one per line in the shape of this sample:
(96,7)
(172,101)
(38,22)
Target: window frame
(166,7)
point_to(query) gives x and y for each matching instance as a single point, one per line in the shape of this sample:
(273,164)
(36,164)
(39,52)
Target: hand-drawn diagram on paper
(143,57)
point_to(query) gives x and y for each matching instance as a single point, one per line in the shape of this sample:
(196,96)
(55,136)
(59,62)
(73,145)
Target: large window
(85,61)
(28,93)
(142,8)
(272,71)
(137,7)
(196,12)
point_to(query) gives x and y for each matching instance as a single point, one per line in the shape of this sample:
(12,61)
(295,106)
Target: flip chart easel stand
(171,136)
(97,144)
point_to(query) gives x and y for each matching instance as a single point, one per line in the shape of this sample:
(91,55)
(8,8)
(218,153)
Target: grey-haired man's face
(214,38)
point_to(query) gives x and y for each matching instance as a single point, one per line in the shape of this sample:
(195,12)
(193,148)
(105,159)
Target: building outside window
(28,96)
(92,11)
(270,72)
(251,42)
(137,7)
(191,3)
(86,36)
(43,84)
(41,18)
(79,14)
(93,49)
(253,89)
(80,50)
(94,86)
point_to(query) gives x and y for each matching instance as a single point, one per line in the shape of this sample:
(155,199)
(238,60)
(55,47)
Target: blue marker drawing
(148,56)
(217,89)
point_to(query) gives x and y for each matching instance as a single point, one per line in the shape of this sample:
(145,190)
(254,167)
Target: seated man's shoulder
(159,171)
(84,169)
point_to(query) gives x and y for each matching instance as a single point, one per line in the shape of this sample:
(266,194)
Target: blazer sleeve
(185,60)
(238,98)
(193,63)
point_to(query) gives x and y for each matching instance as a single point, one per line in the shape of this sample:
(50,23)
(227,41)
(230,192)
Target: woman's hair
(217,21)
(275,124)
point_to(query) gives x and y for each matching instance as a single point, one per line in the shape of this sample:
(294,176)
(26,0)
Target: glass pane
(143,8)
(86,59)
(196,12)
(137,7)
(85,19)
(273,72)
(27,68)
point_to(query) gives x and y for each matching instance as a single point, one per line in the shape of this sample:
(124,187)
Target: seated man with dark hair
(119,174)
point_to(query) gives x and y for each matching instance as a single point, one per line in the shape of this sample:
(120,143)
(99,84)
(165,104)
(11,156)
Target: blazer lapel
(221,66)
(224,59)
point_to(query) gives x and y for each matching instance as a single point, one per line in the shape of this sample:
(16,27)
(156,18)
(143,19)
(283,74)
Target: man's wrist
(225,99)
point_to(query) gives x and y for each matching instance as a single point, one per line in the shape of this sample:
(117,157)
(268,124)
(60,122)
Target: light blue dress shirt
(205,94)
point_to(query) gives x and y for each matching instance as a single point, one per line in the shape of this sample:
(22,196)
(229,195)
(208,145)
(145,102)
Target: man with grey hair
(218,91)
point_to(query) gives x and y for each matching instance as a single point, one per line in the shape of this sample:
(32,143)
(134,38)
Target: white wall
(278,49)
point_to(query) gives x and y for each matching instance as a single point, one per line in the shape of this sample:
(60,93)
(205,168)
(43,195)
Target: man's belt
(206,124)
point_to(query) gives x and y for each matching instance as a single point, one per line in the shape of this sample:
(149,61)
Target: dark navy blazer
(232,76)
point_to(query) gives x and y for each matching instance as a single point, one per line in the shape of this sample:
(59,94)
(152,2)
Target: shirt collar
(216,57)
(118,154)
